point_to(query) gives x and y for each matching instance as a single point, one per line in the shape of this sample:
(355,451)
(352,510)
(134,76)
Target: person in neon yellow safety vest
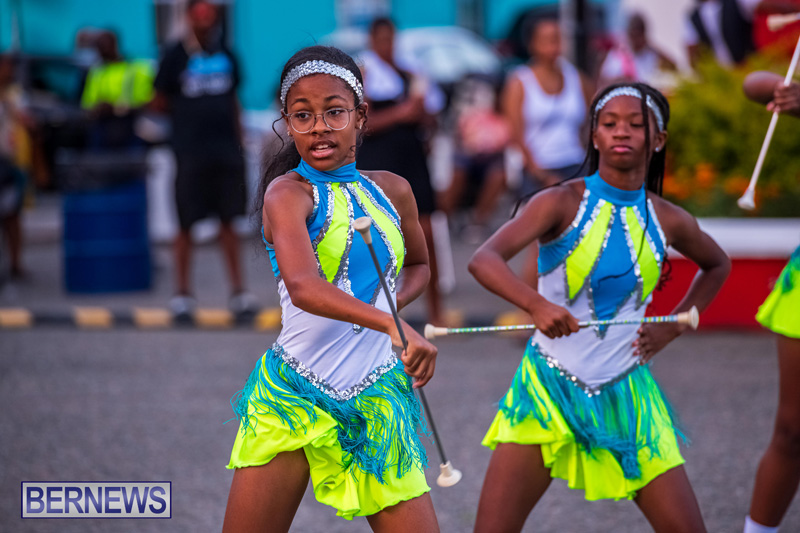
(114,91)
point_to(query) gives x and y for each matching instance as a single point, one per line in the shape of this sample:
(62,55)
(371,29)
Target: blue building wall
(416,13)
(265,33)
(501,14)
(49,26)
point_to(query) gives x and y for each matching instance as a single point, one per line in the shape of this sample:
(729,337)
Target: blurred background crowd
(109,109)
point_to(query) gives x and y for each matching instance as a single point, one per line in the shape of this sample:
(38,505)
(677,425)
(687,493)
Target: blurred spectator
(636,59)
(785,39)
(15,158)
(723,27)
(479,177)
(115,89)
(196,84)
(545,103)
(400,118)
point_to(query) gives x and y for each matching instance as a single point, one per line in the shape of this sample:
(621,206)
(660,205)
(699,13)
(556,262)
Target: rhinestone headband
(320,67)
(630,91)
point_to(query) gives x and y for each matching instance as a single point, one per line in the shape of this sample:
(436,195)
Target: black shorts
(209,184)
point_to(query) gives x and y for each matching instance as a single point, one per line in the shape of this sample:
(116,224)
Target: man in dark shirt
(196,84)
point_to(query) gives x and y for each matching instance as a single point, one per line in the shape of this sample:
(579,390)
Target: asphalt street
(124,405)
(127,405)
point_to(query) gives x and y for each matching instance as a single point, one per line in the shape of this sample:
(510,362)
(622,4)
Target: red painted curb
(749,283)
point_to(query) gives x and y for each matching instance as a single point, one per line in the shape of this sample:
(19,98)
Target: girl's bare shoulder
(396,187)
(675,220)
(564,194)
(290,187)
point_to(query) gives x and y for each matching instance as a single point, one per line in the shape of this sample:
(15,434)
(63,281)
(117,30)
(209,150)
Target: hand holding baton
(747,201)
(449,476)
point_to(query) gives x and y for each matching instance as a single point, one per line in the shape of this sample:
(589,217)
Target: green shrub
(715,135)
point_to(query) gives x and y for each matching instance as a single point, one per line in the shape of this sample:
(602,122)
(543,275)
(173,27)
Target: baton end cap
(449,476)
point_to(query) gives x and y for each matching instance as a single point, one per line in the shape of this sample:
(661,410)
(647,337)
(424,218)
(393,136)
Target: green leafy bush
(715,135)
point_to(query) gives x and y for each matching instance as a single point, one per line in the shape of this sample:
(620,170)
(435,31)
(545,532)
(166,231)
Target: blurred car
(53,85)
(444,54)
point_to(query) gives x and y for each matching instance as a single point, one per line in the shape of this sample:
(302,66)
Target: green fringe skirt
(610,441)
(364,452)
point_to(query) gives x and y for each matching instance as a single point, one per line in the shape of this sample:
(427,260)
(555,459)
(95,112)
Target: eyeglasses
(336,119)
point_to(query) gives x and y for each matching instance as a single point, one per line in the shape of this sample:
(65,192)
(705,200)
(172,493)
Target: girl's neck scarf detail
(343,174)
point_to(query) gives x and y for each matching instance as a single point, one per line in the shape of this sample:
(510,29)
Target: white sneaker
(182,305)
(243,303)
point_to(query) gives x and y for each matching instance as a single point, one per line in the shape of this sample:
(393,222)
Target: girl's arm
(420,355)
(286,206)
(683,233)
(542,217)
(767,88)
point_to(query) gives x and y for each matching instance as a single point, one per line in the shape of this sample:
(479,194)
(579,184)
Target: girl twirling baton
(330,400)
(584,407)
(779,470)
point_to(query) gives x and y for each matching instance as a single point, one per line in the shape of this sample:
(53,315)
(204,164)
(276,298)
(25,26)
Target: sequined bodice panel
(612,250)
(606,264)
(337,353)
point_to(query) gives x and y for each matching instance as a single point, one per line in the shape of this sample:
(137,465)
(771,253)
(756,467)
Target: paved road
(127,405)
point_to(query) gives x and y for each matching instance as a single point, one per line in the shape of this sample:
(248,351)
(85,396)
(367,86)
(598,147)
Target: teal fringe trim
(608,420)
(374,436)
(793,265)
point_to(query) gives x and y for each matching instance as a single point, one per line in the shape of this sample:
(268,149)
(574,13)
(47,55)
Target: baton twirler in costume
(331,400)
(583,405)
(779,469)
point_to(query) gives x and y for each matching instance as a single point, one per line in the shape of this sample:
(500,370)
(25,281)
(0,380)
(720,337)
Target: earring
(595,147)
(658,148)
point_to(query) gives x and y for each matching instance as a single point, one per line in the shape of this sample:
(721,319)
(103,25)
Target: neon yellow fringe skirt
(364,452)
(609,443)
(780,312)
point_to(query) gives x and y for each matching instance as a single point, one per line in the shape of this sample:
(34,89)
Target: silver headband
(321,67)
(630,91)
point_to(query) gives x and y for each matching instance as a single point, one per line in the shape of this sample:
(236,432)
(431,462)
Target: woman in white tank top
(545,104)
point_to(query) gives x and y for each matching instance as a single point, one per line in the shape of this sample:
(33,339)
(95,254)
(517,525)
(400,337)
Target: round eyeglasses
(336,118)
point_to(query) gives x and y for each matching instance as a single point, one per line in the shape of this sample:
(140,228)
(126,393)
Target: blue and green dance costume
(336,390)
(600,418)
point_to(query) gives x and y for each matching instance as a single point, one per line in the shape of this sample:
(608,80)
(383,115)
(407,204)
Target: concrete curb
(209,319)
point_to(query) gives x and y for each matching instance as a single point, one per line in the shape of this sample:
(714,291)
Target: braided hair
(655,170)
(591,162)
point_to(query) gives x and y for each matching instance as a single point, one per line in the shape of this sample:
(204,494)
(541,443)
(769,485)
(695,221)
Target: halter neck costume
(598,415)
(336,355)
(333,388)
